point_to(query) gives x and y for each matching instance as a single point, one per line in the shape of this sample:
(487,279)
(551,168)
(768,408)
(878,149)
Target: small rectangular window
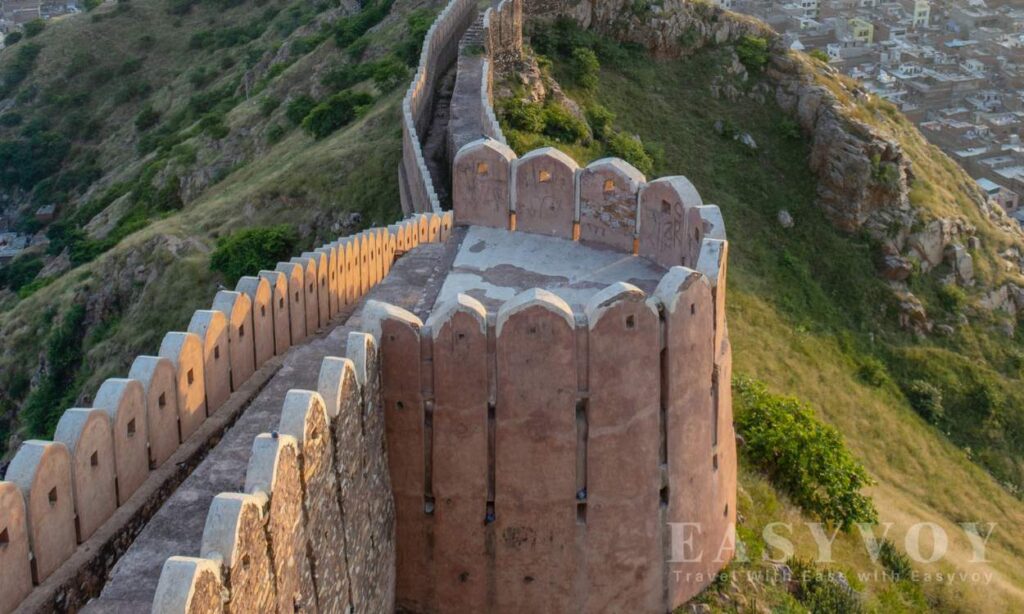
(263,311)
(52,496)
(609,185)
(94,460)
(216,352)
(481,168)
(191,377)
(241,331)
(280,303)
(5,538)
(162,401)
(543,176)
(131,428)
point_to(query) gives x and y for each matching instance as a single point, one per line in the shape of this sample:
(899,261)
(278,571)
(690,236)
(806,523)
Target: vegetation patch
(253,249)
(802,456)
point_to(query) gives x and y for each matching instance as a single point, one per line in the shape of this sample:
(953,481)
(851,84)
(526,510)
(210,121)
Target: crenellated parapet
(608,202)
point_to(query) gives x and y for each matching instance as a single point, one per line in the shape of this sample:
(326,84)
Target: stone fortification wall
(541,457)
(608,202)
(440,48)
(57,494)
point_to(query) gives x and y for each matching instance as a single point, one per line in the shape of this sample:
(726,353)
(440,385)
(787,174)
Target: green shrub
(212,124)
(11,38)
(275,133)
(248,251)
(337,111)
(926,399)
(586,69)
(348,29)
(130,66)
(753,52)
(894,561)
(11,119)
(389,73)
(299,108)
(34,28)
(146,119)
(872,372)
(20,271)
(819,592)
(19,68)
(268,104)
(952,297)
(57,387)
(630,149)
(562,125)
(600,119)
(522,115)
(819,55)
(201,76)
(802,456)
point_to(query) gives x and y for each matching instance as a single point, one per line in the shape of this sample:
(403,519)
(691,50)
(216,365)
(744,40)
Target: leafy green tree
(299,108)
(586,69)
(34,27)
(337,111)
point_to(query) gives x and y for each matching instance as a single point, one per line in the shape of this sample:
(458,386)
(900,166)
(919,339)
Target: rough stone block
(42,472)
(624,566)
(274,471)
(237,309)
(87,435)
(545,193)
(124,400)
(304,417)
(279,299)
(688,312)
(234,534)
(608,203)
(460,461)
(189,586)
(16,578)
(311,287)
(185,351)
(158,380)
(296,300)
(665,219)
(258,291)
(535,454)
(212,328)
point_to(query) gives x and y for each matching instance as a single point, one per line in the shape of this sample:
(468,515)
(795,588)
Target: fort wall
(440,47)
(58,494)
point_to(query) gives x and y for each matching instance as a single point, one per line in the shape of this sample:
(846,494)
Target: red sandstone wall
(543,460)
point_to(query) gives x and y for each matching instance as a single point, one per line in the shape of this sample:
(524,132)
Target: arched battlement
(185,351)
(88,437)
(607,203)
(158,380)
(544,193)
(211,326)
(124,400)
(258,291)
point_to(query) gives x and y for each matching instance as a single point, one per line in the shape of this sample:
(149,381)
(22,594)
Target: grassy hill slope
(160,127)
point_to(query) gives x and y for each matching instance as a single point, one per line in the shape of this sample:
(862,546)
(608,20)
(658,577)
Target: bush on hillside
(819,591)
(630,149)
(600,119)
(802,456)
(146,119)
(335,112)
(753,52)
(34,28)
(56,389)
(20,271)
(248,251)
(585,67)
(894,561)
(522,115)
(819,55)
(299,108)
(11,38)
(926,399)
(562,125)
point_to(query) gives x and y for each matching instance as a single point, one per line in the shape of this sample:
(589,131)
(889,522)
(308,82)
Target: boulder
(896,268)
(785,219)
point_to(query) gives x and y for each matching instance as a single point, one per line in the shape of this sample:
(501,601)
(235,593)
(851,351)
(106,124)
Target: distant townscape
(954,67)
(14,14)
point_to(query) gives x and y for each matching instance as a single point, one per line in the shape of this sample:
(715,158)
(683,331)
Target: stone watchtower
(559,427)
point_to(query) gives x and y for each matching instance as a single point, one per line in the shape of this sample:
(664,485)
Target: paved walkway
(177,528)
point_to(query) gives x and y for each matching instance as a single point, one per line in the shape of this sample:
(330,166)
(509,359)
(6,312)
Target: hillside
(810,312)
(158,127)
